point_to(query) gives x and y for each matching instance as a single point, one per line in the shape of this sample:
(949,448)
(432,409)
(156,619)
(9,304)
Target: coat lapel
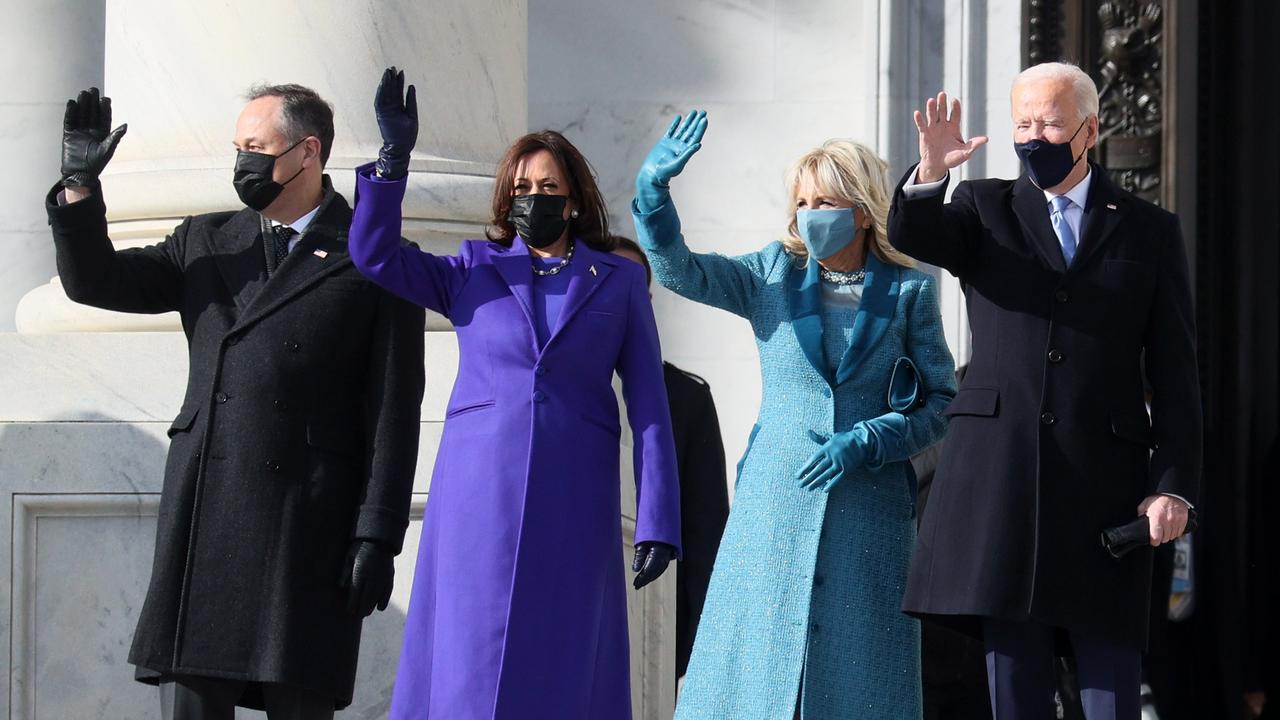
(1104,209)
(237,251)
(1033,212)
(806,314)
(516,269)
(587,273)
(320,252)
(875,313)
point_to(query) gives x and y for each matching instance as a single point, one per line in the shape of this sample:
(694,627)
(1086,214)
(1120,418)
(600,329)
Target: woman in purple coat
(518,607)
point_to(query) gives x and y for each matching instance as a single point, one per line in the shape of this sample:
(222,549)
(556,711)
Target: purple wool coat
(518,607)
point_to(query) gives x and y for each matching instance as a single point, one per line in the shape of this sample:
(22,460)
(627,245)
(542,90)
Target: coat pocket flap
(186,418)
(1134,428)
(334,437)
(974,401)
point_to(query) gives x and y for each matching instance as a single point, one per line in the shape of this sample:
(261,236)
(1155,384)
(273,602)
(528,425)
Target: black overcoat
(1050,441)
(704,498)
(298,433)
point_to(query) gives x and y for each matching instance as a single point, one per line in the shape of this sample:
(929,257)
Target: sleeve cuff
(913,189)
(1184,500)
(383,525)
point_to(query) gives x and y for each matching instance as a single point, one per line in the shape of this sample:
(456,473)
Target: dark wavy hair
(592,224)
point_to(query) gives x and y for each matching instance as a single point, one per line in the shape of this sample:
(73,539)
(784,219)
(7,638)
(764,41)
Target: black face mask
(1046,163)
(253,177)
(538,218)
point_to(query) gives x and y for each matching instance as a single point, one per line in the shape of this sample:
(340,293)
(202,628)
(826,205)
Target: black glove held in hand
(397,114)
(651,561)
(367,576)
(88,142)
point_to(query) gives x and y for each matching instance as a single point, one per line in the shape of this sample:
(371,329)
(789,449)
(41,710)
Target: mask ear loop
(286,152)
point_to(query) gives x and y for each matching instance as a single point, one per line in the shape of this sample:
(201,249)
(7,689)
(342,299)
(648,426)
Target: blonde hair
(853,172)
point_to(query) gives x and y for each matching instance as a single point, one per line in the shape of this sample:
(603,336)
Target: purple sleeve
(645,392)
(428,280)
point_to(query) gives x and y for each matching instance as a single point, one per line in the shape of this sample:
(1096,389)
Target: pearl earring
(573,214)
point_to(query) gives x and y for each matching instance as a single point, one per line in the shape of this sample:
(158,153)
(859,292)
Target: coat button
(220,396)
(1048,418)
(539,396)
(539,371)
(815,628)
(1061,296)
(826,391)
(292,346)
(1055,356)
(281,405)
(273,466)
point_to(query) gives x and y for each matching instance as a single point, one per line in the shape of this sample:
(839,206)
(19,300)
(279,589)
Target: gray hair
(302,113)
(1086,92)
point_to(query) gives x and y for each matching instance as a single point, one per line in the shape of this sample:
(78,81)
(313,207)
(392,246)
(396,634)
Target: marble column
(49,51)
(177,74)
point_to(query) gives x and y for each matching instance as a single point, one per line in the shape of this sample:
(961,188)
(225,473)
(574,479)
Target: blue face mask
(825,232)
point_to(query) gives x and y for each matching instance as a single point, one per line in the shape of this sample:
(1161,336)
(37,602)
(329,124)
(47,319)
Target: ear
(1091,132)
(311,150)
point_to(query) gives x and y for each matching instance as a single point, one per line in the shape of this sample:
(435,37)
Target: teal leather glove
(667,159)
(838,456)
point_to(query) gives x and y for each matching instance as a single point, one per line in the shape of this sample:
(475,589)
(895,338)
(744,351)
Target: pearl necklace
(835,277)
(568,257)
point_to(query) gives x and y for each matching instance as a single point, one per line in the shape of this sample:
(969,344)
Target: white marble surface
(33,96)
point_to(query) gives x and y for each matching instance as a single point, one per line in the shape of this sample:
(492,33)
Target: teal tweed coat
(806,592)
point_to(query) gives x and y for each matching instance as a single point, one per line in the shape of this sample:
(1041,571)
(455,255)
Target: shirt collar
(1078,194)
(300,225)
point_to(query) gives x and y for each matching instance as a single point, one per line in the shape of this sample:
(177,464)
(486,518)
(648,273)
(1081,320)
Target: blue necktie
(1066,237)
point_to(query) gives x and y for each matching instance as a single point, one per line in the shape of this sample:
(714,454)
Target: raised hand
(667,158)
(88,142)
(397,113)
(942,147)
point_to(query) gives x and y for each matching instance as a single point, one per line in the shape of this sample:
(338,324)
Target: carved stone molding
(1044,31)
(1131,97)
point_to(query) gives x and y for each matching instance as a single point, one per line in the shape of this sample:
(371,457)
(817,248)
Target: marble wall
(777,77)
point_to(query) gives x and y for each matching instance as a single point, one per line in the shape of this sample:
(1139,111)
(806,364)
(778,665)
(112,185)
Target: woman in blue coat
(802,618)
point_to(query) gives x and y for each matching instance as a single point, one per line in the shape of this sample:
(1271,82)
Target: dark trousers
(202,698)
(1020,673)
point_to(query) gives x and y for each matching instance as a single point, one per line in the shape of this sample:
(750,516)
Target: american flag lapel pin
(1111,206)
(322,254)
(592,269)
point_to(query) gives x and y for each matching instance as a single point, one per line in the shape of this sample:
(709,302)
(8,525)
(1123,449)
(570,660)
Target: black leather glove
(1124,539)
(651,561)
(88,142)
(397,113)
(368,576)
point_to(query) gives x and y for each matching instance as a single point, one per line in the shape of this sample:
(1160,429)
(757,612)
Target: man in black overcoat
(1074,287)
(287,486)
